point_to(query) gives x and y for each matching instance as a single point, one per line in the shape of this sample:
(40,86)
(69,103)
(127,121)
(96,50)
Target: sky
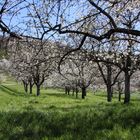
(18,21)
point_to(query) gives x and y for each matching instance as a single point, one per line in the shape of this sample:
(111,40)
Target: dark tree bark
(120,96)
(76,90)
(127,88)
(68,91)
(31,87)
(108,80)
(127,74)
(109,85)
(25,86)
(73,90)
(109,93)
(83,92)
(65,90)
(38,89)
(120,89)
(38,80)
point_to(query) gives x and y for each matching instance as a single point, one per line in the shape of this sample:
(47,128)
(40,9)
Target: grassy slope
(55,115)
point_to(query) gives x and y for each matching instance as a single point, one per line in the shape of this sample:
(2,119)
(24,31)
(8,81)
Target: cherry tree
(79,69)
(20,67)
(33,61)
(121,53)
(10,11)
(104,18)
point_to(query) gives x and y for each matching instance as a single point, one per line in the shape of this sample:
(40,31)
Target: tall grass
(56,116)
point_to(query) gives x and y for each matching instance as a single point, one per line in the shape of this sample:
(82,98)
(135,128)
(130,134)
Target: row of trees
(34,61)
(106,32)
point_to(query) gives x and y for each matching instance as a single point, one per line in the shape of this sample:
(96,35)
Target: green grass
(56,116)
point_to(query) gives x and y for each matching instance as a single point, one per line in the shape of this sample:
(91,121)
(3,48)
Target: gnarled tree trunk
(109,93)
(31,87)
(83,92)
(127,88)
(25,86)
(108,84)
(37,90)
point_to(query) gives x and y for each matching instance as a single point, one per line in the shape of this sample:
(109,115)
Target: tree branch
(72,50)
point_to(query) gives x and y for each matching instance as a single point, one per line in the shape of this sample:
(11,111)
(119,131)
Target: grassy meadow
(56,116)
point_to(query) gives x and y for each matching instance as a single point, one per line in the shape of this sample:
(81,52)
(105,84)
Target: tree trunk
(38,90)
(76,95)
(120,96)
(25,86)
(109,87)
(31,86)
(68,90)
(83,92)
(119,90)
(65,90)
(73,90)
(127,88)
(76,90)
(109,93)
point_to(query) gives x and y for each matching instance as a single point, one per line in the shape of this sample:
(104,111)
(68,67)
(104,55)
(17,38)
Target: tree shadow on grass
(63,95)
(58,94)
(28,125)
(38,125)
(11,91)
(34,125)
